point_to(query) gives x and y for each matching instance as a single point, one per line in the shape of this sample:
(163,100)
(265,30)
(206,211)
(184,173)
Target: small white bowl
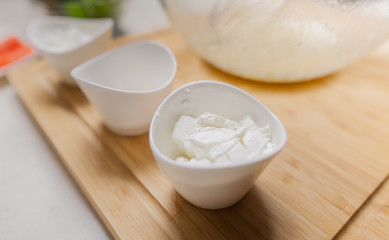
(99,37)
(127,84)
(210,186)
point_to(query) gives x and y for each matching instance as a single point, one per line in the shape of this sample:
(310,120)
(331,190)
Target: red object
(11,50)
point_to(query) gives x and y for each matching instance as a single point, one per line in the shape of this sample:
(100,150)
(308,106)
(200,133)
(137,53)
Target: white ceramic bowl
(127,84)
(97,38)
(214,186)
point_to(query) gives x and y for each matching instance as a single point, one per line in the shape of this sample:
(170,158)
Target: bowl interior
(209,96)
(138,66)
(40,30)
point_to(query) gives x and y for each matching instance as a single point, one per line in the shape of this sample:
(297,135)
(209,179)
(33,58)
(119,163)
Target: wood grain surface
(335,158)
(372,219)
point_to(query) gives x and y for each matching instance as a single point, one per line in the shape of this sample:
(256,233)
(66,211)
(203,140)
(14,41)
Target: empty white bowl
(127,84)
(210,186)
(66,42)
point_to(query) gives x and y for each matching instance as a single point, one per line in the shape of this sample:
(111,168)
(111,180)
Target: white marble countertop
(38,198)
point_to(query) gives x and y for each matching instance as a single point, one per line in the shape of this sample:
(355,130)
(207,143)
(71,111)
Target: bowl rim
(162,157)
(75,75)
(49,20)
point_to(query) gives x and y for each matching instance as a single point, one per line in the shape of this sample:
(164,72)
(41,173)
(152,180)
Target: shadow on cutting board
(248,219)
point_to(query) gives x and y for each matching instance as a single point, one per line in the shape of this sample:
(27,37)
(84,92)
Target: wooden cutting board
(372,219)
(336,154)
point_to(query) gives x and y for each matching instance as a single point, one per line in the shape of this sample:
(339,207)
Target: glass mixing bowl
(281,40)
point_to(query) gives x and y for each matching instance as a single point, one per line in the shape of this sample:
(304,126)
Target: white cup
(217,185)
(43,33)
(127,84)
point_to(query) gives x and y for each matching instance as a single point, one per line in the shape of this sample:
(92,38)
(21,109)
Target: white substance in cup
(63,38)
(211,139)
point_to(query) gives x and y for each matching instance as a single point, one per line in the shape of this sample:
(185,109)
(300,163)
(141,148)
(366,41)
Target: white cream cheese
(63,38)
(211,138)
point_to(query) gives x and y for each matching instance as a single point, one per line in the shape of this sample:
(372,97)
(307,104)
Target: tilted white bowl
(127,84)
